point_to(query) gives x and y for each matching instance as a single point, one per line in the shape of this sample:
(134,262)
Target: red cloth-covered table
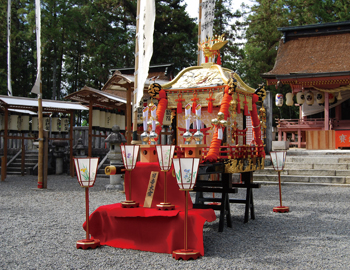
(150,229)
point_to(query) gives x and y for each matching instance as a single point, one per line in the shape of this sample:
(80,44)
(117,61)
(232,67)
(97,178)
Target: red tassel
(179,107)
(210,102)
(194,104)
(238,104)
(179,103)
(210,107)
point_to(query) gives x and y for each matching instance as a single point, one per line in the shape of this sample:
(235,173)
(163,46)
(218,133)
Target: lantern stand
(130,155)
(278,159)
(165,158)
(186,170)
(86,169)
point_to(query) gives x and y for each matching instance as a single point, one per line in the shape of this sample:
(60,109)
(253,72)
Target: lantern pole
(87,213)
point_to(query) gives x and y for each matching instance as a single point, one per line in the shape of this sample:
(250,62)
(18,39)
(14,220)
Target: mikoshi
(224,102)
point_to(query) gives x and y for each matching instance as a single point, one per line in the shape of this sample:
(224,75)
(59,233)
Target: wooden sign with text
(150,190)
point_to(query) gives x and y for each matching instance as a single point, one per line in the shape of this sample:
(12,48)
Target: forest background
(83,40)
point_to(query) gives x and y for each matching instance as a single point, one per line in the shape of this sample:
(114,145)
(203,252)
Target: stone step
(310,166)
(301,178)
(317,159)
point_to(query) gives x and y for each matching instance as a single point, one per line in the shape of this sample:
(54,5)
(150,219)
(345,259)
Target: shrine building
(315,61)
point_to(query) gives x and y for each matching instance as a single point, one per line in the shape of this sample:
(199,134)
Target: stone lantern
(79,149)
(58,153)
(115,139)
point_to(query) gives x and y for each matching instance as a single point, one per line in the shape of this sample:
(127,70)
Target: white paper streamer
(145,118)
(154,117)
(36,87)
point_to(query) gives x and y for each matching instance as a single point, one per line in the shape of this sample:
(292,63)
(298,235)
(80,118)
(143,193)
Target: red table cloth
(150,229)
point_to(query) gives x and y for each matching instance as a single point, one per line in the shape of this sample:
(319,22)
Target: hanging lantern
(64,124)
(19,121)
(35,123)
(331,98)
(320,97)
(95,117)
(113,118)
(309,98)
(279,100)
(108,120)
(102,123)
(289,99)
(121,121)
(24,122)
(46,123)
(300,97)
(13,122)
(55,123)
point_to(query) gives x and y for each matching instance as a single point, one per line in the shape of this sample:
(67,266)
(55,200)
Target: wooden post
(199,31)
(90,129)
(41,139)
(45,157)
(71,162)
(4,159)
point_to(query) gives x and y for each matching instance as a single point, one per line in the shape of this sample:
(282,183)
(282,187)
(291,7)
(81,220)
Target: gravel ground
(39,229)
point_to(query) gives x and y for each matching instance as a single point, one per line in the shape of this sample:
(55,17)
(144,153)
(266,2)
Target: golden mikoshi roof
(201,80)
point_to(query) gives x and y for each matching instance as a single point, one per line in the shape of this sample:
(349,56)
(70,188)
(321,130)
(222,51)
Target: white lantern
(320,97)
(121,121)
(95,117)
(108,120)
(55,123)
(102,123)
(278,159)
(300,97)
(13,122)
(24,122)
(113,119)
(46,123)
(35,123)
(289,99)
(186,170)
(279,100)
(309,98)
(86,169)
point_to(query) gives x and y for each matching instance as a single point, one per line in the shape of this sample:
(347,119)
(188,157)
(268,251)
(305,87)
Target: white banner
(36,87)
(145,43)
(207,22)
(9,86)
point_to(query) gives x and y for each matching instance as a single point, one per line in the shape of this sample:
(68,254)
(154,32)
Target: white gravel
(39,229)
